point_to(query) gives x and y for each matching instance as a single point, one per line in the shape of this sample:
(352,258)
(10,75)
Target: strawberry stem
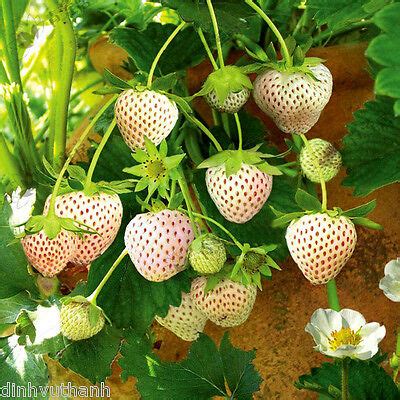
(207,48)
(345,379)
(71,155)
(274,29)
(213,221)
(161,51)
(92,298)
(333,299)
(318,168)
(239,128)
(67,49)
(97,153)
(189,204)
(216,33)
(205,130)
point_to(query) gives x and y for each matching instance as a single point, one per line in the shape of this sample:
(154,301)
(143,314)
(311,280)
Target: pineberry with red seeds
(102,212)
(320,153)
(146,113)
(293,100)
(158,243)
(185,321)
(240,196)
(228,304)
(76,323)
(321,245)
(49,256)
(232,104)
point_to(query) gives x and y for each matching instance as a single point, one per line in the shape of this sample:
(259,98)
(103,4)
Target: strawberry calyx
(224,81)
(253,263)
(311,205)
(52,225)
(268,59)
(233,160)
(155,168)
(95,312)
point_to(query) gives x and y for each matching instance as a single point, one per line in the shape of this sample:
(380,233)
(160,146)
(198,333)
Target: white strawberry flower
(390,283)
(21,207)
(345,333)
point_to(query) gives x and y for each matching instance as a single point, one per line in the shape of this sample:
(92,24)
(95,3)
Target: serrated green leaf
(14,265)
(10,307)
(370,150)
(202,374)
(366,380)
(307,202)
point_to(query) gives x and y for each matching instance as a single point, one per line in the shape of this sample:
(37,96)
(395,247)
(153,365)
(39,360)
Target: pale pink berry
(293,100)
(185,321)
(49,256)
(100,212)
(321,245)
(228,304)
(158,243)
(238,197)
(146,113)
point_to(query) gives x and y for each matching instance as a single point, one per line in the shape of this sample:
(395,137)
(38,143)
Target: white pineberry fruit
(294,101)
(146,113)
(323,154)
(232,104)
(185,321)
(49,256)
(240,196)
(228,304)
(321,245)
(158,243)
(101,212)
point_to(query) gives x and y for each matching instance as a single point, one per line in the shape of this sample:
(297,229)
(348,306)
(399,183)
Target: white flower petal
(21,208)
(326,320)
(319,337)
(390,287)
(352,319)
(392,268)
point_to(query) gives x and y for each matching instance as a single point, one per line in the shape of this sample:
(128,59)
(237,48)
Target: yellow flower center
(344,337)
(155,169)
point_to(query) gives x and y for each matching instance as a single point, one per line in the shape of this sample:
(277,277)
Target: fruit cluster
(77,226)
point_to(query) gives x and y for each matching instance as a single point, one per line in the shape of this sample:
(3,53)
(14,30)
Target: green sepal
(233,160)
(307,202)
(360,211)
(367,223)
(212,281)
(165,82)
(285,219)
(176,201)
(290,42)
(225,80)
(298,57)
(116,81)
(254,50)
(271,53)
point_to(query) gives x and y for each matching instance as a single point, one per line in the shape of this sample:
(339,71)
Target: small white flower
(390,283)
(21,208)
(345,334)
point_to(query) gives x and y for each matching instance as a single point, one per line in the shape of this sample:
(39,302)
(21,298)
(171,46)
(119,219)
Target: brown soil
(276,325)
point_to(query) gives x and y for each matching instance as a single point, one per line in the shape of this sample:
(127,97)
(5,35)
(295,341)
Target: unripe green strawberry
(207,254)
(321,152)
(76,323)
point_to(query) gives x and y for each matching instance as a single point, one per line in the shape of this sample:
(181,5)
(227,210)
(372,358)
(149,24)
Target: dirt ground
(276,325)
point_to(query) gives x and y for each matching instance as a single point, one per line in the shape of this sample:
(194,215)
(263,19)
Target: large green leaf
(371,149)
(184,51)
(385,50)
(20,367)
(367,381)
(201,375)
(231,15)
(12,306)
(14,266)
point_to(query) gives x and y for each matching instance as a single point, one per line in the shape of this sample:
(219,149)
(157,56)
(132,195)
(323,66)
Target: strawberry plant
(144,198)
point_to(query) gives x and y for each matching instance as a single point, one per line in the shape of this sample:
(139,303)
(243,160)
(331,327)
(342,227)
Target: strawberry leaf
(13,266)
(115,80)
(307,202)
(367,380)
(202,375)
(371,148)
